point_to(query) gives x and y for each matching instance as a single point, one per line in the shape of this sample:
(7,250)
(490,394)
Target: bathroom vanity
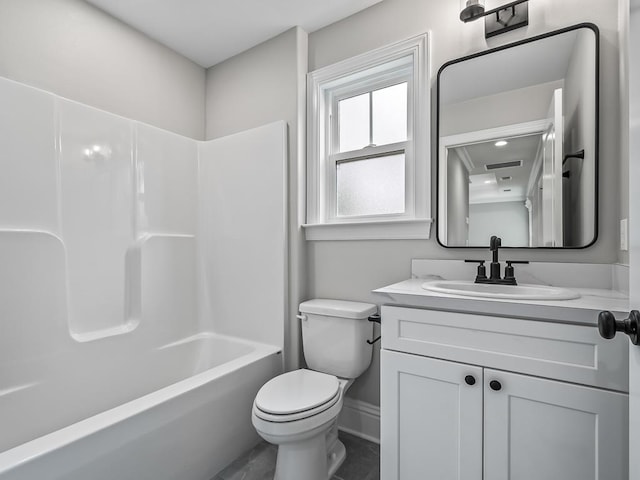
(484,388)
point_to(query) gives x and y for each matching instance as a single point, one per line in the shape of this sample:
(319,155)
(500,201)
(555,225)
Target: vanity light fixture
(471,10)
(501,143)
(498,20)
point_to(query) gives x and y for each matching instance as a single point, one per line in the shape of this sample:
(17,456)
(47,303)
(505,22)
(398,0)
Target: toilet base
(336,452)
(319,455)
(335,457)
(302,459)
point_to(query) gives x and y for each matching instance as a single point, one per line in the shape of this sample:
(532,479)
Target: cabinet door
(431,419)
(542,429)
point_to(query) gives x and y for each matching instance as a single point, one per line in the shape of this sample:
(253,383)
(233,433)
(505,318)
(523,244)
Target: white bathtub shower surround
(115,360)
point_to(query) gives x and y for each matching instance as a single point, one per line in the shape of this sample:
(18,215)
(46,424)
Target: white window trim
(416,221)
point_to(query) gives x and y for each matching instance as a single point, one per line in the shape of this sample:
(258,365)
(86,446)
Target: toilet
(298,410)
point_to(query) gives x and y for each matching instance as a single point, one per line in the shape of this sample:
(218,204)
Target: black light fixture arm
(506,6)
(497,10)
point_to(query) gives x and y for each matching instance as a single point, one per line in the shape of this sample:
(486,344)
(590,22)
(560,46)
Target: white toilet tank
(335,334)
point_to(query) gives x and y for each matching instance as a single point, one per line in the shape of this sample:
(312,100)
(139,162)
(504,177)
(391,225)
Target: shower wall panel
(243,204)
(33,309)
(169,293)
(33,306)
(166,227)
(167,166)
(96,173)
(98,215)
(28,188)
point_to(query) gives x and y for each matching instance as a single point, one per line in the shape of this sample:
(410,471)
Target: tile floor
(362,462)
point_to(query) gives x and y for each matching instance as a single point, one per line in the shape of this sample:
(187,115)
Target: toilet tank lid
(338,308)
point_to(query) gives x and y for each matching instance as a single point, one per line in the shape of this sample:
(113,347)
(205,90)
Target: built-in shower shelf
(128,327)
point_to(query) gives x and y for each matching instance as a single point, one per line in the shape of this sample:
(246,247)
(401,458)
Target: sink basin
(513,292)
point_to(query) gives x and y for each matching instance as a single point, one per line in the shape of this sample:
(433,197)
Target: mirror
(518,143)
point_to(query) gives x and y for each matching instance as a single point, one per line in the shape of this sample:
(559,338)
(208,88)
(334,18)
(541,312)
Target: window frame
(405,61)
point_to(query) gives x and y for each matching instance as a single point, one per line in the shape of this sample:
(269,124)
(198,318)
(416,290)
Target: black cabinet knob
(608,326)
(470,379)
(495,385)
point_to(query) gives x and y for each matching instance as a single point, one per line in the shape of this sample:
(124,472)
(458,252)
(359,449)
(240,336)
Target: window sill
(419,229)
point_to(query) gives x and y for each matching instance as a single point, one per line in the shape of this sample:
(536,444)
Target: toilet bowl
(298,410)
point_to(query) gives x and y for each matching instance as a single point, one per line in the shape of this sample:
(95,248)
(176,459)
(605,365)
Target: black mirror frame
(578,26)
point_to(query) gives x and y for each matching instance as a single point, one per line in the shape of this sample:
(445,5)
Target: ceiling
(502,184)
(210,31)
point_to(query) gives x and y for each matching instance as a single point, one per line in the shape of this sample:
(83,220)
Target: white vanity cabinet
(472,397)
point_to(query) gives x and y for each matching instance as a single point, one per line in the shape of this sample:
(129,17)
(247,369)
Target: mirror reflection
(517,144)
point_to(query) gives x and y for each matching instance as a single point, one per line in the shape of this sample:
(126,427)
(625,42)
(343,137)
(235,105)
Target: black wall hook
(579,154)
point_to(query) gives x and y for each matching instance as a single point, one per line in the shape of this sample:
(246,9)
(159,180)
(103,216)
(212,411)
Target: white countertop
(583,310)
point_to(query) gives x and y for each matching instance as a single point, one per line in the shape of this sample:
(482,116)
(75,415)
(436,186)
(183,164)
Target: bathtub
(182,412)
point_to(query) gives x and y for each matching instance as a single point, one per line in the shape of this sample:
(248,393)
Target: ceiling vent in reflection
(495,166)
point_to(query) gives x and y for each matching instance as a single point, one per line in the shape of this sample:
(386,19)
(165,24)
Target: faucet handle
(509,272)
(482,270)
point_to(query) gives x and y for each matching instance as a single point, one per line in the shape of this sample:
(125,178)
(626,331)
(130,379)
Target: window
(368,172)
(368,154)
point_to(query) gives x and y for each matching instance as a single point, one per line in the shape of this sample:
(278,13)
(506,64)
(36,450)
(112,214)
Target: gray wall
(349,270)
(262,85)
(74,50)
(508,220)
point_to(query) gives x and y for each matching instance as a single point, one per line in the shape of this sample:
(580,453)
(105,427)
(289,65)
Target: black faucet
(494,268)
(494,244)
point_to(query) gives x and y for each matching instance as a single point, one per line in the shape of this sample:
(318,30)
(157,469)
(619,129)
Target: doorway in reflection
(519,188)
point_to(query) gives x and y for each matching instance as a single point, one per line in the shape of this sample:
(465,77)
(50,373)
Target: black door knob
(495,385)
(608,326)
(470,379)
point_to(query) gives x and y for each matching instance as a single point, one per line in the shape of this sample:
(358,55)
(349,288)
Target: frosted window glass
(390,114)
(353,122)
(374,186)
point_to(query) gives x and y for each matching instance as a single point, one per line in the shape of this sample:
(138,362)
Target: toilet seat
(296,395)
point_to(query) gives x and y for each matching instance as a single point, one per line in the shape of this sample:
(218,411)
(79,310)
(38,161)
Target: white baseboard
(360,419)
